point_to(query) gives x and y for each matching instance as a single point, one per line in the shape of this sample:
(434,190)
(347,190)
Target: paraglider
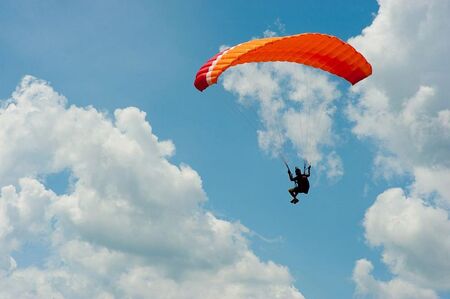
(322,51)
(301,182)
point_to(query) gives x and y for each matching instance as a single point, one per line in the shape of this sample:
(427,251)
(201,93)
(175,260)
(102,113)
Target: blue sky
(108,55)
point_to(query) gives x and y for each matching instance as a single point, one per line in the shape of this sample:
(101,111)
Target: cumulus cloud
(295,105)
(404,106)
(415,238)
(367,285)
(415,243)
(432,180)
(404,109)
(130,225)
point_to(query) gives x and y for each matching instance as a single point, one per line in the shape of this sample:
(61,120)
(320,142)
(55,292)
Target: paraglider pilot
(301,182)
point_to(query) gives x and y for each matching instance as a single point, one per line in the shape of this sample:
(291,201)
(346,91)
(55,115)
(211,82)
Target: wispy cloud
(296,107)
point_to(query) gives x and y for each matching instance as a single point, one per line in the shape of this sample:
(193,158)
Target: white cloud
(431,180)
(415,238)
(131,224)
(404,106)
(334,166)
(23,218)
(404,109)
(367,286)
(415,245)
(295,105)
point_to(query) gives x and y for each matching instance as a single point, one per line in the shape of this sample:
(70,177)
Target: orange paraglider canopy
(322,51)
